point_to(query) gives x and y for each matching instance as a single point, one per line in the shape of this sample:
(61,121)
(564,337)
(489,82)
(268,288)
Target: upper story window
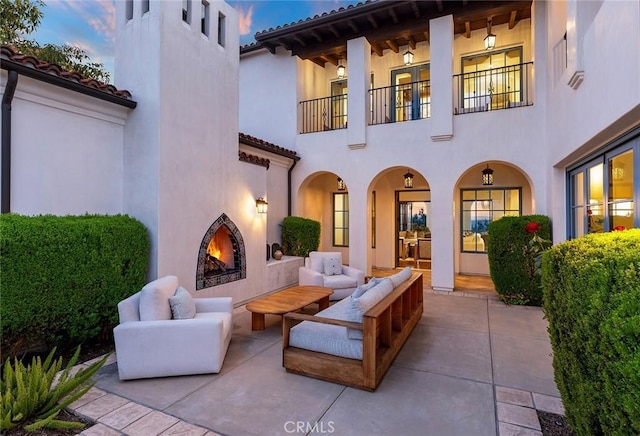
(493,80)
(221,29)
(341,220)
(482,206)
(411,97)
(186,11)
(145,6)
(204,18)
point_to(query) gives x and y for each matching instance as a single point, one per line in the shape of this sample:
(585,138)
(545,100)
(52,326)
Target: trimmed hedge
(300,236)
(592,302)
(512,269)
(62,277)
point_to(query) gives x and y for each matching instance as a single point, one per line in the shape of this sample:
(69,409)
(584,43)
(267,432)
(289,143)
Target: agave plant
(35,394)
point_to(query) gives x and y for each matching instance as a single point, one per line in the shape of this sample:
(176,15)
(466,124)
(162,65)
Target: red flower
(619,228)
(532,227)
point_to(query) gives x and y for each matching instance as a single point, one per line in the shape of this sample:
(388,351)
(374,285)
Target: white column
(441,45)
(442,231)
(358,76)
(358,218)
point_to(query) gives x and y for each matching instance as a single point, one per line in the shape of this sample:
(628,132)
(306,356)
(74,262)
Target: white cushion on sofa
(340,281)
(182,304)
(365,287)
(400,277)
(154,299)
(324,338)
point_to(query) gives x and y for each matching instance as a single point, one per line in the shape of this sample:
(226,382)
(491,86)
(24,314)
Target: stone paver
(184,429)
(506,429)
(92,394)
(101,406)
(100,430)
(518,415)
(125,415)
(548,403)
(514,396)
(152,424)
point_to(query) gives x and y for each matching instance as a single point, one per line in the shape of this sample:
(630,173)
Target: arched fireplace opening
(221,258)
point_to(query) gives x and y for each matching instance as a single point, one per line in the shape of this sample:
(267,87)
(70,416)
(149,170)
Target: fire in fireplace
(221,258)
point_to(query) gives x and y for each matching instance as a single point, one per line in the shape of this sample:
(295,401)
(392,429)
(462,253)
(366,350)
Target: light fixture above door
(487,176)
(407,57)
(408,180)
(341,69)
(341,185)
(490,39)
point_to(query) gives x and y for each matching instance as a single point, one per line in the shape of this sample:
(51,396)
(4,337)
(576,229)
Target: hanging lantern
(408,180)
(487,176)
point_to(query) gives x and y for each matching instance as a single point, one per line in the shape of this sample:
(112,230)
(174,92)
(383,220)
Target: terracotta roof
(267,146)
(11,59)
(249,158)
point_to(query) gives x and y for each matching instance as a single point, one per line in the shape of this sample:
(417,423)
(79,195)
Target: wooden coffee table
(287,300)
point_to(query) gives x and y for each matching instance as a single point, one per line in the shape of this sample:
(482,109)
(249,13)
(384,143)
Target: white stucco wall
(66,151)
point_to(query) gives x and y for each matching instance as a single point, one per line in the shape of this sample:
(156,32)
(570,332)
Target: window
(204,18)
(373,219)
(129,10)
(603,189)
(145,6)
(411,93)
(221,29)
(186,11)
(492,80)
(482,206)
(338,104)
(340,220)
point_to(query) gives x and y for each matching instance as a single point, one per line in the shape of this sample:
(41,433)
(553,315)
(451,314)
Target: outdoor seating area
(472,365)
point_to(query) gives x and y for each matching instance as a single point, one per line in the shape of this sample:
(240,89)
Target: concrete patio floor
(473,366)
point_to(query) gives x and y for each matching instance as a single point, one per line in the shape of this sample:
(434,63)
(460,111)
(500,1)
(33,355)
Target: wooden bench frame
(385,329)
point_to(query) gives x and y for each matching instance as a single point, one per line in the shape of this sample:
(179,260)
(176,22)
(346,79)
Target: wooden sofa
(385,328)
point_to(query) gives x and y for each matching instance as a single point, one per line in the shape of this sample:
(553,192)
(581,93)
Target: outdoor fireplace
(221,258)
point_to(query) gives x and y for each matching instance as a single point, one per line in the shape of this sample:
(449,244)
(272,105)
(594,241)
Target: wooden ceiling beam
(315,35)
(512,19)
(392,45)
(333,30)
(353,26)
(283,42)
(426,36)
(318,61)
(416,9)
(331,59)
(393,15)
(377,49)
(299,41)
(467,29)
(372,20)
(412,42)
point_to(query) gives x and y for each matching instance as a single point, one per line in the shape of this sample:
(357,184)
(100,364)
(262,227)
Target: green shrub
(62,278)
(300,236)
(512,259)
(592,301)
(32,396)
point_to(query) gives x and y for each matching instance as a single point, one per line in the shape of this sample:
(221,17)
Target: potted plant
(421,231)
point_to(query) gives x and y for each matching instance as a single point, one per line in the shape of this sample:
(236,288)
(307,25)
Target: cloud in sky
(245,18)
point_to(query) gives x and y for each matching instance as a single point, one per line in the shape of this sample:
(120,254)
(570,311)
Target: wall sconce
(341,70)
(341,185)
(407,58)
(490,39)
(261,205)
(408,180)
(487,176)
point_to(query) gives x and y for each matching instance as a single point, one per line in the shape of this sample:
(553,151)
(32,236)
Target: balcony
(477,91)
(397,103)
(325,113)
(493,89)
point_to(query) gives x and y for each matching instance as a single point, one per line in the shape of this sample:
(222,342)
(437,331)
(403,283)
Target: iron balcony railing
(326,113)
(496,88)
(404,102)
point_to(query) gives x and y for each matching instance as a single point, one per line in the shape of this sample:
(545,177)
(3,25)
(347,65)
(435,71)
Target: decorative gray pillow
(365,287)
(182,304)
(401,276)
(332,265)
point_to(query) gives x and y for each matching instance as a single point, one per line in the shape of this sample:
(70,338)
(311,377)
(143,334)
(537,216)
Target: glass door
(411,93)
(339,104)
(413,233)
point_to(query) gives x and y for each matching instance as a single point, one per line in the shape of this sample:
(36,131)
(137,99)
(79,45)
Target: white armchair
(326,269)
(149,343)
